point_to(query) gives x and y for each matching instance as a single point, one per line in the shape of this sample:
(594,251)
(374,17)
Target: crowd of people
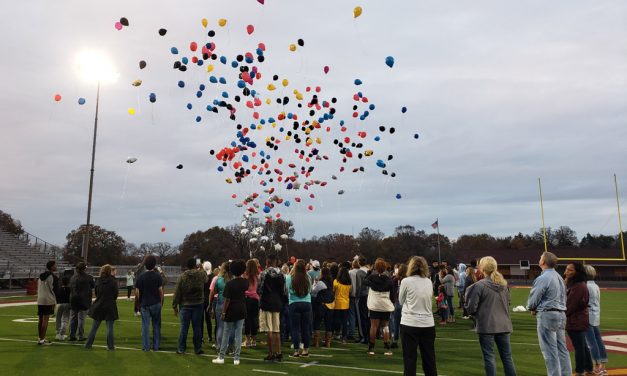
(313,304)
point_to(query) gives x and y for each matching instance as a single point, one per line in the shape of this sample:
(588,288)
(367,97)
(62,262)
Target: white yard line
(308,364)
(267,371)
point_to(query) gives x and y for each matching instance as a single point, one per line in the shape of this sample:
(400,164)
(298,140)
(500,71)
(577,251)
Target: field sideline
(457,349)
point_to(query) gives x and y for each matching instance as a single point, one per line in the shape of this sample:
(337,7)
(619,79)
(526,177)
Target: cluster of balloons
(278,126)
(121,23)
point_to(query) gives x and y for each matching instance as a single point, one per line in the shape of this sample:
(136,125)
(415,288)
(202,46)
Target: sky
(500,93)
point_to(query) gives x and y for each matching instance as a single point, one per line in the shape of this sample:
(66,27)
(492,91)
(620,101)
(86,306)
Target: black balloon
(180,167)
(162,32)
(211,33)
(142,64)
(124,21)
(301,42)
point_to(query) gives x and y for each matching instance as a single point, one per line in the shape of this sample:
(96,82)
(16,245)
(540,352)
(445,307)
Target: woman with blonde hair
(104,307)
(488,301)
(417,324)
(593,335)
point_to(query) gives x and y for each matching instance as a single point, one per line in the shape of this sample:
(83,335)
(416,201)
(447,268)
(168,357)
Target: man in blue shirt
(547,301)
(148,301)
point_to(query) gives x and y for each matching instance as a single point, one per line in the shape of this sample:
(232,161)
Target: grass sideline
(457,349)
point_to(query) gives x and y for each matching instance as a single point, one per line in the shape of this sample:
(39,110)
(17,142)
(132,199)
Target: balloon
(162,32)
(131,111)
(301,42)
(204,22)
(398,196)
(250,29)
(57,97)
(284,236)
(137,83)
(124,21)
(358,82)
(118,26)
(357,12)
(174,50)
(180,166)
(142,64)
(292,47)
(340,192)
(222,22)
(326,69)
(277,247)
(403,109)
(162,229)
(81,101)
(261,1)
(416,136)
(131,160)
(181,84)
(152,97)
(389,61)
(193,46)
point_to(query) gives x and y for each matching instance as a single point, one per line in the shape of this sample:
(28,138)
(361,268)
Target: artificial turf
(457,349)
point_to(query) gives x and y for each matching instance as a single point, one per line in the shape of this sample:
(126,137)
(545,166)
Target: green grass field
(457,349)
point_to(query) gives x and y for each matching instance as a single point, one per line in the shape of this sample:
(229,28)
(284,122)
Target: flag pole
(437,221)
(542,212)
(620,224)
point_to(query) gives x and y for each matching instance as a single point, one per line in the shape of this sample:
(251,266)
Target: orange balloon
(57,97)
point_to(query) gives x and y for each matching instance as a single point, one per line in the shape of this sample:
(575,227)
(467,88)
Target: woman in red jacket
(577,316)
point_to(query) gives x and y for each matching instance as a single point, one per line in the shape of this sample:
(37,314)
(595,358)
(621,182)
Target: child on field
(441,304)
(63,308)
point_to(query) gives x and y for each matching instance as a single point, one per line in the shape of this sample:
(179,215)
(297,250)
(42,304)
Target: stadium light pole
(93,66)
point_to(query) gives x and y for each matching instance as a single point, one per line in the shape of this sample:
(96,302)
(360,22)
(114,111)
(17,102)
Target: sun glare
(95,66)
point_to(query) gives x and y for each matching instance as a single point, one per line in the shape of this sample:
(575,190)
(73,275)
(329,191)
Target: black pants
(364,320)
(251,324)
(129,290)
(583,360)
(207,316)
(414,338)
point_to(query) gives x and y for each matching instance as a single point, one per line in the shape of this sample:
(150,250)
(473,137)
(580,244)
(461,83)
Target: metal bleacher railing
(24,256)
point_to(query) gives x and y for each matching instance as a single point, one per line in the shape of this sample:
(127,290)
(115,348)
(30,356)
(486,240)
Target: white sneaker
(59,337)
(218,361)
(236,362)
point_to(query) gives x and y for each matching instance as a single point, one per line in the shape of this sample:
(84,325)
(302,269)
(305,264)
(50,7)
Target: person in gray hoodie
(488,302)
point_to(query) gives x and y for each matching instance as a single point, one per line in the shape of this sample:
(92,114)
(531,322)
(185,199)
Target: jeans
(583,360)
(451,309)
(505,351)
(364,319)
(77,323)
(193,314)
(129,290)
(251,323)
(62,317)
(551,327)
(353,317)
(340,317)
(220,326)
(596,345)
(232,329)
(412,339)
(300,317)
(151,314)
(94,329)
(322,313)
(286,327)
(395,322)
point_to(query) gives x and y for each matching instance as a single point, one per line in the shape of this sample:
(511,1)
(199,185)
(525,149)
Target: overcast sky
(501,93)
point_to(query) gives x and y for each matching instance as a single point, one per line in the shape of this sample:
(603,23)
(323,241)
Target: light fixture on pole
(93,66)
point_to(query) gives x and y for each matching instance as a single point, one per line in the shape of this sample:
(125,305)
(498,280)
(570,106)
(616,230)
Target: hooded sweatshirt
(489,303)
(271,290)
(189,288)
(46,287)
(381,292)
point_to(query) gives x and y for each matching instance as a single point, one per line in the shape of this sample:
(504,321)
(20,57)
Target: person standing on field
(47,284)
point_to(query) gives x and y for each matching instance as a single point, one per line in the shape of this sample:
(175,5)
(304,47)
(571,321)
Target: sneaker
(278,357)
(43,342)
(58,336)
(269,358)
(465,317)
(236,362)
(218,360)
(442,322)
(370,352)
(388,353)
(295,355)
(304,354)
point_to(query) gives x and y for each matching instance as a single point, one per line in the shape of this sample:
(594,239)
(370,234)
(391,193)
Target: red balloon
(326,69)
(193,46)
(162,229)
(57,97)
(250,29)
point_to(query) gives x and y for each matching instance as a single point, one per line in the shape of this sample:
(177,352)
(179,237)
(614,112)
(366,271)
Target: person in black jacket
(272,298)
(81,285)
(63,308)
(105,307)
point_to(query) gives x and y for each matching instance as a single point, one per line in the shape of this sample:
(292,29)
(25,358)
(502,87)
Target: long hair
(252,271)
(343,277)
(470,271)
(417,265)
(489,267)
(225,271)
(580,274)
(402,271)
(325,276)
(300,280)
(106,271)
(380,266)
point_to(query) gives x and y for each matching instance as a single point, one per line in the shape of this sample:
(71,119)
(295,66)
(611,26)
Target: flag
(435,224)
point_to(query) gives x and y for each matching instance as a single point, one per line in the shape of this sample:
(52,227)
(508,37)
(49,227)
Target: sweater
(415,298)
(488,302)
(46,288)
(190,288)
(577,307)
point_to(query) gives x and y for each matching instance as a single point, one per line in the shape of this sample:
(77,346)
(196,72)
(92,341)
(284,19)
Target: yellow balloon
(268,101)
(209,68)
(285,82)
(368,153)
(318,140)
(137,83)
(309,142)
(259,127)
(222,22)
(273,125)
(228,180)
(292,47)
(271,87)
(131,111)
(287,138)
(357,12)
(204,22)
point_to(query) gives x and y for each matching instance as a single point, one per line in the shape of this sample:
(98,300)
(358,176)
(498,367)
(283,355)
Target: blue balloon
(287,203)
(245,158)
(223,59)
(213,80)
(181,84)
(200,62)
(198,119)
(377,138)
(222,80)
(220,168)
(225,94)
(81,101)
(389,61)
(241,84)
(209,107)
(202,87)
(380,163)
(189,106)
(404,109)
(371,107)
(234,64)
(184,60)
(358,82)
(152,97)
(398,196)
(199,94)
(266,209)
(174,50)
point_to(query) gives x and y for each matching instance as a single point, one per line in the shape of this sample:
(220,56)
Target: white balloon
(253,240)
(243,231)
(243,224)
(264,238)
(284,236)
(277,247)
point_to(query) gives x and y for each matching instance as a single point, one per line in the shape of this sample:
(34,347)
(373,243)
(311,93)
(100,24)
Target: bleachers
(19,259)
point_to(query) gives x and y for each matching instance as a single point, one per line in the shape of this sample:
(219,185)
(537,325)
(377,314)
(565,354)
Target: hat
(315,263)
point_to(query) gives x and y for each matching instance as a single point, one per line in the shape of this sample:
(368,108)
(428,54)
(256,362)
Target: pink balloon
(326,69)
(261,1)
(118,26)
(250,29)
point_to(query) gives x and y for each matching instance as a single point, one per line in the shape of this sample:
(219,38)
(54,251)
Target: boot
(316,339)
(327,339)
